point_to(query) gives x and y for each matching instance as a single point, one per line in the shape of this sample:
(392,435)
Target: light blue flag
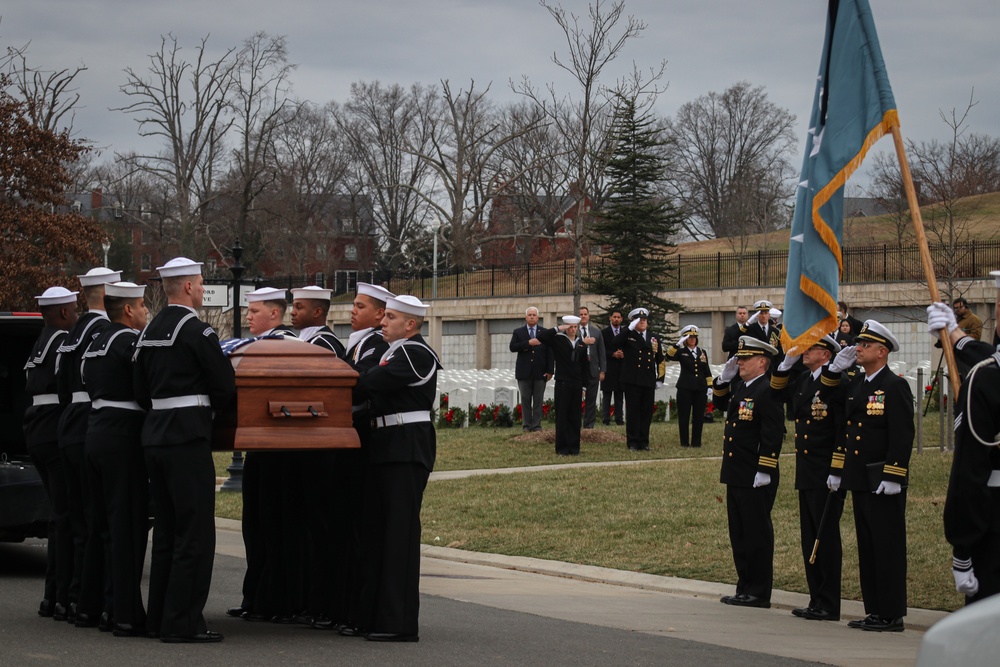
(852,109)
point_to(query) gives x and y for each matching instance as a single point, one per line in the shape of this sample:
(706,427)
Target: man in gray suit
(591,337)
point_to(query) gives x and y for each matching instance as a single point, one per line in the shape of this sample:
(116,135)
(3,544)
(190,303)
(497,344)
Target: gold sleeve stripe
(671,351)
(708,381)
(829,382)
(779,383)
(768,462)
(894,470)
(720,392)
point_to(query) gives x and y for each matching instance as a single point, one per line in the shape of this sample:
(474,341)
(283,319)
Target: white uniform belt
(994,479)
(190,401)
(80,397)
(45,399)
(99,403)
(415,417)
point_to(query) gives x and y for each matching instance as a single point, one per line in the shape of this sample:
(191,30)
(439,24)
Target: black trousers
(691,401)
(78,499)
(592,386)
(345,565)
(120,492)
(986,565)
(880,522)
(751,535)
(611,393)
(390,597)
(59,549)
(639,403)
(568,398)
(823,576)
(321,516)
(182,487)
(283,540)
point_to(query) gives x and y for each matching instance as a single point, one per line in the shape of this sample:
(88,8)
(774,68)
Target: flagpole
(925,254)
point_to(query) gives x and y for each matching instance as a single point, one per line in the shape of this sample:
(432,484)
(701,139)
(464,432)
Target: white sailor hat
(56,296)
(763,304)
(267,294)
(374,291)
(751,347)
(775,313)
(180,266)
(99,276)
(312,292)
(638,312)
(827,342)
(570,319)
(689,330)
(410,305)
(874,331)
(125,290)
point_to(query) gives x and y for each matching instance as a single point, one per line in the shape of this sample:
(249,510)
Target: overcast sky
(936,52)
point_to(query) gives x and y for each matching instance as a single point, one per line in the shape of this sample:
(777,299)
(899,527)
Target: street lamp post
(235,468)
(434,282)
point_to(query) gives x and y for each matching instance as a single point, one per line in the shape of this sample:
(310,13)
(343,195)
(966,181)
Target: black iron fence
(756,268)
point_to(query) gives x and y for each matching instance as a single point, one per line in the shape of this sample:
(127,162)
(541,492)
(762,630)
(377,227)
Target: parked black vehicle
(24,507)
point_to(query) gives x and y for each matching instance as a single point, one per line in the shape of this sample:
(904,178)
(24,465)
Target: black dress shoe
(744,600)
(858,622)
(59,612)
(85,621)
(255,617)
(236,612)
(283,619)
(882,624)
(71,614)
(390,637)
(814,614)
(46,608)
(127,630)
(350,631)
(105,624)
(207,637)
(303,618)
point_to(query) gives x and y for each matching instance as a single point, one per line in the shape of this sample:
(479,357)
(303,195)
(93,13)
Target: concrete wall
(475,332)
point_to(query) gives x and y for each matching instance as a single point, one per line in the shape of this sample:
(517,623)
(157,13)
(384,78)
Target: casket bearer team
(308,486)
(116,471)
(571,367)
(817,406)
(181,377)
(693,384)
(41,419)
(751,444)
(401,390)
(88,562)
(876,447)
(972,506)
(364,350)
(262,509)
(643,355)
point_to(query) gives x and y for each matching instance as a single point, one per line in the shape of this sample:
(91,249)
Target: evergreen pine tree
(635,223)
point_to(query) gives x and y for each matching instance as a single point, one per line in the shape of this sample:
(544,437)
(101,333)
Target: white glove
(633,324)
(940,316)
(965,578)
(833,482)
(844,359)
(683,340)
(888,488)
(659,384)
(789,361)
(761,479)
(729,371)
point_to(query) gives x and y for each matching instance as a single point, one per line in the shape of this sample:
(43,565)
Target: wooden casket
(289,395)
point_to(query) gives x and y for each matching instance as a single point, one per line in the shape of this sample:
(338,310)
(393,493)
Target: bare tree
(591,46)
(51,96)
(730,159)
(386,129)
(186,106)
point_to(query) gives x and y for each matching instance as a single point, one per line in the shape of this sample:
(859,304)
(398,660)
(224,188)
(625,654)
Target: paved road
(498,611)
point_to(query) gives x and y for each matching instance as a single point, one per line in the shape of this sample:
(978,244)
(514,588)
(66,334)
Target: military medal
(876,404)
(746,410)
(819,408)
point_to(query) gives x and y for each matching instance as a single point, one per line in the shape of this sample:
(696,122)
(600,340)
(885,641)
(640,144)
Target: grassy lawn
(667,517)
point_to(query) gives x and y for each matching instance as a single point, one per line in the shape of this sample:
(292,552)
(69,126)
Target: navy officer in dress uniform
(972,505)
(572,366)
(875,450)
(41,420)
(365,348)
(817,406)
(763,327)
(263,513)
(116,471)
(755,427)
(401,390)
(693,384)
(643,356)
(181,377)
(88,562)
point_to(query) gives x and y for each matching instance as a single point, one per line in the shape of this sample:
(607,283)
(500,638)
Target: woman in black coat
(692,384)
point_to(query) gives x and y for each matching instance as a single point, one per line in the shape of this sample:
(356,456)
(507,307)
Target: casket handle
(296,409)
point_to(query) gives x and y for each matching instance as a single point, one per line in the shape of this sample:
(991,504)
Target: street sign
(217,296)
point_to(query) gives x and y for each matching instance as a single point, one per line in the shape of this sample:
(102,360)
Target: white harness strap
(401,345)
